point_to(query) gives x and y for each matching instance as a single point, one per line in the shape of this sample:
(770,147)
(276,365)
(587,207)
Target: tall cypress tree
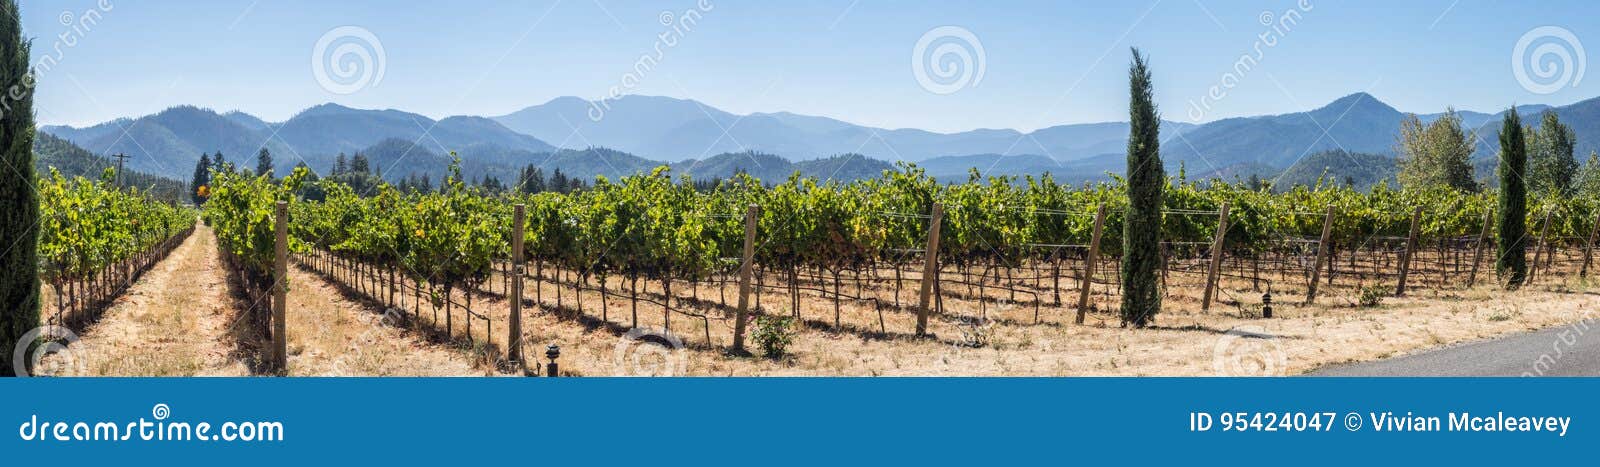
(1141,231)
(19,203)
(1512,265)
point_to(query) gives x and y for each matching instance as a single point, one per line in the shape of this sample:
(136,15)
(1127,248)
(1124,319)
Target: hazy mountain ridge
(1263,145)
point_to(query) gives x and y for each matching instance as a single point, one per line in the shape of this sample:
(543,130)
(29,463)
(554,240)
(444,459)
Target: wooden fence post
(1322,256)
(280,290)
(930,270)
(1087,278)
(1588,249)
(1538,250)
(745,268)
(1216,258)
(514,329)
(1410,251)
(1477,254)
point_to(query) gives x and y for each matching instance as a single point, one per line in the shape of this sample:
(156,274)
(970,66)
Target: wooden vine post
(930,270)
(1087,278)
(514,327)
(1477,253)
(745,269)
(1410,251)
(280,289)
(1216,258)
(1322,256)
(1588,248)
(1538,251)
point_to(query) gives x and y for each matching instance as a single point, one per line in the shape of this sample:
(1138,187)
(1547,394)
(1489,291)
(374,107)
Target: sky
(1040,64)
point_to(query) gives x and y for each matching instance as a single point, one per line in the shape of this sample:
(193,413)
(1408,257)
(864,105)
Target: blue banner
(798,421)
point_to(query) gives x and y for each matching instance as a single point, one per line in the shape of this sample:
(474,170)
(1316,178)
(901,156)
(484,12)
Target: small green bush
(773,334)
(1372,295)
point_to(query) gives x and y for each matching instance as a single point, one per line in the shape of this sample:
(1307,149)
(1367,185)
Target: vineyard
(97,239)
(651,251)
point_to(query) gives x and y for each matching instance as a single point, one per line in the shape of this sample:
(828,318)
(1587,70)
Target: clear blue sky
(1045,63)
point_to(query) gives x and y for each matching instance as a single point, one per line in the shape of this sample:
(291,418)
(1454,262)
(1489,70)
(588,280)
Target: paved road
(1572,350)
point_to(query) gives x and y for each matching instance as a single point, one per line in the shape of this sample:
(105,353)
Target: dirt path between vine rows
(172,322)
(334,334)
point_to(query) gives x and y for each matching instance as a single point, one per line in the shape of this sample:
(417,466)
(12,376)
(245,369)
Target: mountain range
(628,134)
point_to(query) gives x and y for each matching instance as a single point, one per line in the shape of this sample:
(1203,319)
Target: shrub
(1372,295)
(773,334)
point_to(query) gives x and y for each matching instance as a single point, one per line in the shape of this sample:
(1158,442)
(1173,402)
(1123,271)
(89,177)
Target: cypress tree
(19,203)
(1512,265)
(1141,230)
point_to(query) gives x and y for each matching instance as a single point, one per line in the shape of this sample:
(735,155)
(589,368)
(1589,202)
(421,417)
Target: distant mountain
(957,168)
(1338,167)
(168,143)
(775,169)
(677,130)
(70,161)
(1357,123)
(633,133)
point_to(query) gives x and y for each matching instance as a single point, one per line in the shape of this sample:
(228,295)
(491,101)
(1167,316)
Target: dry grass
(170,323)
(332,334)
(1184,341)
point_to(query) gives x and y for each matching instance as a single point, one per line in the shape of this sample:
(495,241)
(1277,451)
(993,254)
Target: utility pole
(119,157)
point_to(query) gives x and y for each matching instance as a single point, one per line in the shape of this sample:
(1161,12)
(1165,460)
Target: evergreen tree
(1551,166)
(202,177)
(1141,229)
(219,164)
(536,178)
(340,165)
(358,164)
(264,163)
(1512,244)
(19,203)
(1436,154)
(1587,183)
(558,182)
